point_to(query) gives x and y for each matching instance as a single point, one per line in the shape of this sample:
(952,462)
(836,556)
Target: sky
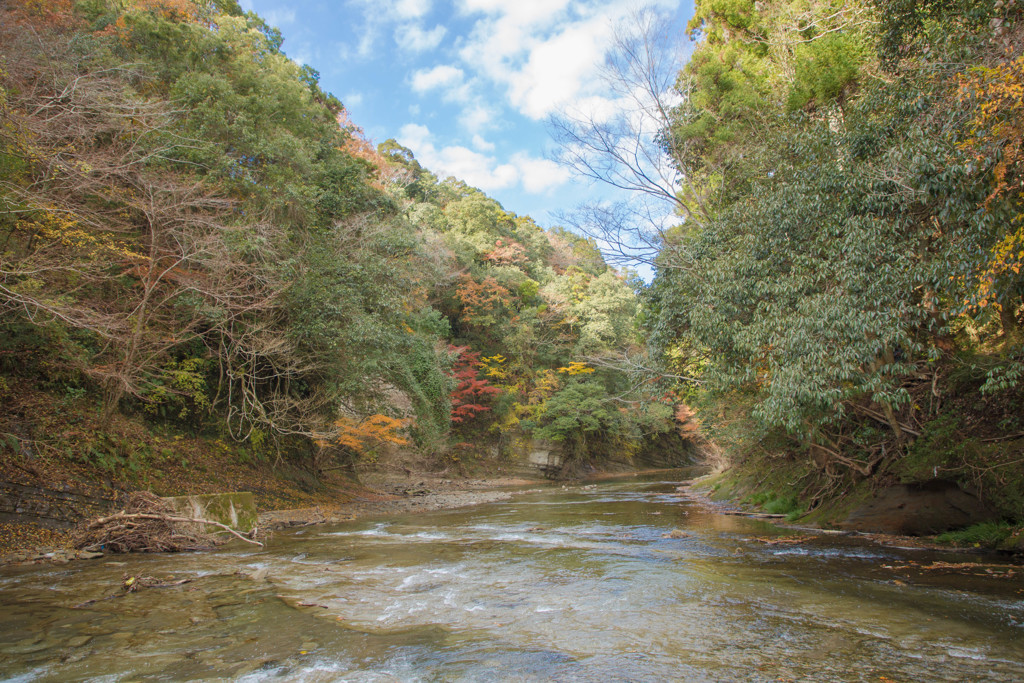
(467,85)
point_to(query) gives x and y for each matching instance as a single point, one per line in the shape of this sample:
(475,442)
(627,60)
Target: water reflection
(577,585)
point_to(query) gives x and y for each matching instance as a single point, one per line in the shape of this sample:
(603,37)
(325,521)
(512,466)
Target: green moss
(718,486)
(944,452)
(940,448)
(775,494)
(796,513)
(835,510)
(237,510)
(724,489)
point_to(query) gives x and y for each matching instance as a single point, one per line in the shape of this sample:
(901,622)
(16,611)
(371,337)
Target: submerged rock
(919,509)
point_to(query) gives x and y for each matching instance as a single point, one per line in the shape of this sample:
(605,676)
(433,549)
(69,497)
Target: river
(576,584)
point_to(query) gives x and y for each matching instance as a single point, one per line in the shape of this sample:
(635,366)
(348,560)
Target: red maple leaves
(471,389)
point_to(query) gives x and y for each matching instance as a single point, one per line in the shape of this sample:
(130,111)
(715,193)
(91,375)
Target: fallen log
(759,515)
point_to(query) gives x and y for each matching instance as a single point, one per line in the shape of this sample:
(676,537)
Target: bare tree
(107,229)
(623,140)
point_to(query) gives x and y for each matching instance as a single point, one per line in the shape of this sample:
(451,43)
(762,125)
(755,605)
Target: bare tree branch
(624,143)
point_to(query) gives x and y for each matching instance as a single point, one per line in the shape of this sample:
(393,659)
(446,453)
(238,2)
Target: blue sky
(467,85)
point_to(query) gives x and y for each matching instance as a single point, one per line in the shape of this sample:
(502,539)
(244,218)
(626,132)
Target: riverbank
(705,491)
(389,494)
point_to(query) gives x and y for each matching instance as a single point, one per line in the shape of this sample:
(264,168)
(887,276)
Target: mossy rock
(236,510)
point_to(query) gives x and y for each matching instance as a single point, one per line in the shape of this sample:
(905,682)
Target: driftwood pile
(148,524)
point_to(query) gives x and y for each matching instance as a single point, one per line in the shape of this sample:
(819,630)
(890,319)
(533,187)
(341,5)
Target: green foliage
(422,372)
(824,68)
(182,390)
(825,278)
(777,504)
(113,453)
(907,27)
(606,312)
(221,246)
(855,264)
(580,407)
(1004,376)
(985,534)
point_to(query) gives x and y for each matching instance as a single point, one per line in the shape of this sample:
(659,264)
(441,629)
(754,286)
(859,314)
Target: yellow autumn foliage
(576,367)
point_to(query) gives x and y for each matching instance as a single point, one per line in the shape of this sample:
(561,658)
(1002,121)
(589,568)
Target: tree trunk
(112,394)
(1008,319)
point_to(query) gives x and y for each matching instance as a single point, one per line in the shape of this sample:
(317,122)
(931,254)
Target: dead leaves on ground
(969,568)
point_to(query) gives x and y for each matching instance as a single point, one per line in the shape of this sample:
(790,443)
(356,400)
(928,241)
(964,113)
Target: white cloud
(414,136)
(446,78)
(378,14)
(540,176)
(537,176)
(518,11)
(353,99)
(413,38)
(474,168)
(366,42)
(476,117)
(596,108)
(558,68)
(544,53)
(378,11)
(443,76)
(407,9)
(482,144)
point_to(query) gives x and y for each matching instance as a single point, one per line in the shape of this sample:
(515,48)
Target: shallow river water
(584,584)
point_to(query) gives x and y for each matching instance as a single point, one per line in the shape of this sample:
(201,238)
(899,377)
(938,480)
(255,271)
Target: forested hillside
(847,283)
(195,237)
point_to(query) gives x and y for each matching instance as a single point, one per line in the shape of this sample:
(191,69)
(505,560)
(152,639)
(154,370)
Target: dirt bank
(28,542)
(696,492)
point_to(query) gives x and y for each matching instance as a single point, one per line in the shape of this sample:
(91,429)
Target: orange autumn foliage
(372,431)
(507,252)
(483,302)
(52,12)
(686,422)
(387,173)
(997,94)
